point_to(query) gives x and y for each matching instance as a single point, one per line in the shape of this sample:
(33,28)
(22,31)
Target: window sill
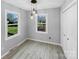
(11,37)
(41,32)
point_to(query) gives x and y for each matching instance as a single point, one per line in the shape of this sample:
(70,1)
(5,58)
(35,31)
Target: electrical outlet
(49,37)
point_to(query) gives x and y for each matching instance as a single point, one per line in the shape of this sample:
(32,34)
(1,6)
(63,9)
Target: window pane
(12,22)
(41,23)
(41,19)
(42,27)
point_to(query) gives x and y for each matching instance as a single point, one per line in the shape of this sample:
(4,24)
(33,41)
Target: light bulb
(31,17)
(33,12)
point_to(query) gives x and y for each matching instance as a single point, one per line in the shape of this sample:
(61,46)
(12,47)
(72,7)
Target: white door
(70,32)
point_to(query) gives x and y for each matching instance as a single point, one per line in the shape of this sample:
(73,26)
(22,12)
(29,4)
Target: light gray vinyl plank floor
(38,50)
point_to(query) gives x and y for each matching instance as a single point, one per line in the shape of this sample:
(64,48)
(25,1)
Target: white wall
(8,44)
(69,30)
(27,27)
(53,26)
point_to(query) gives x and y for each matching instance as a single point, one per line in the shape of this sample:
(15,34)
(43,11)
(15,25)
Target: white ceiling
(41,4)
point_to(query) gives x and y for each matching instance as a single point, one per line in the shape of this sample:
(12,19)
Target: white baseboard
(21,42)
(5,54)
(13,48)
(18,44)
(45,41)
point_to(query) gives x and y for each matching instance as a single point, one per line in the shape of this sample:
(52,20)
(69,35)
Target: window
(11,19)
(41,23)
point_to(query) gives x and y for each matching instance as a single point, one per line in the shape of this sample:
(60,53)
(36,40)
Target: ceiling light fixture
(34,10)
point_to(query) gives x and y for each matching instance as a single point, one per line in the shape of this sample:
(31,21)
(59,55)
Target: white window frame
(18,33)
(46,15)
